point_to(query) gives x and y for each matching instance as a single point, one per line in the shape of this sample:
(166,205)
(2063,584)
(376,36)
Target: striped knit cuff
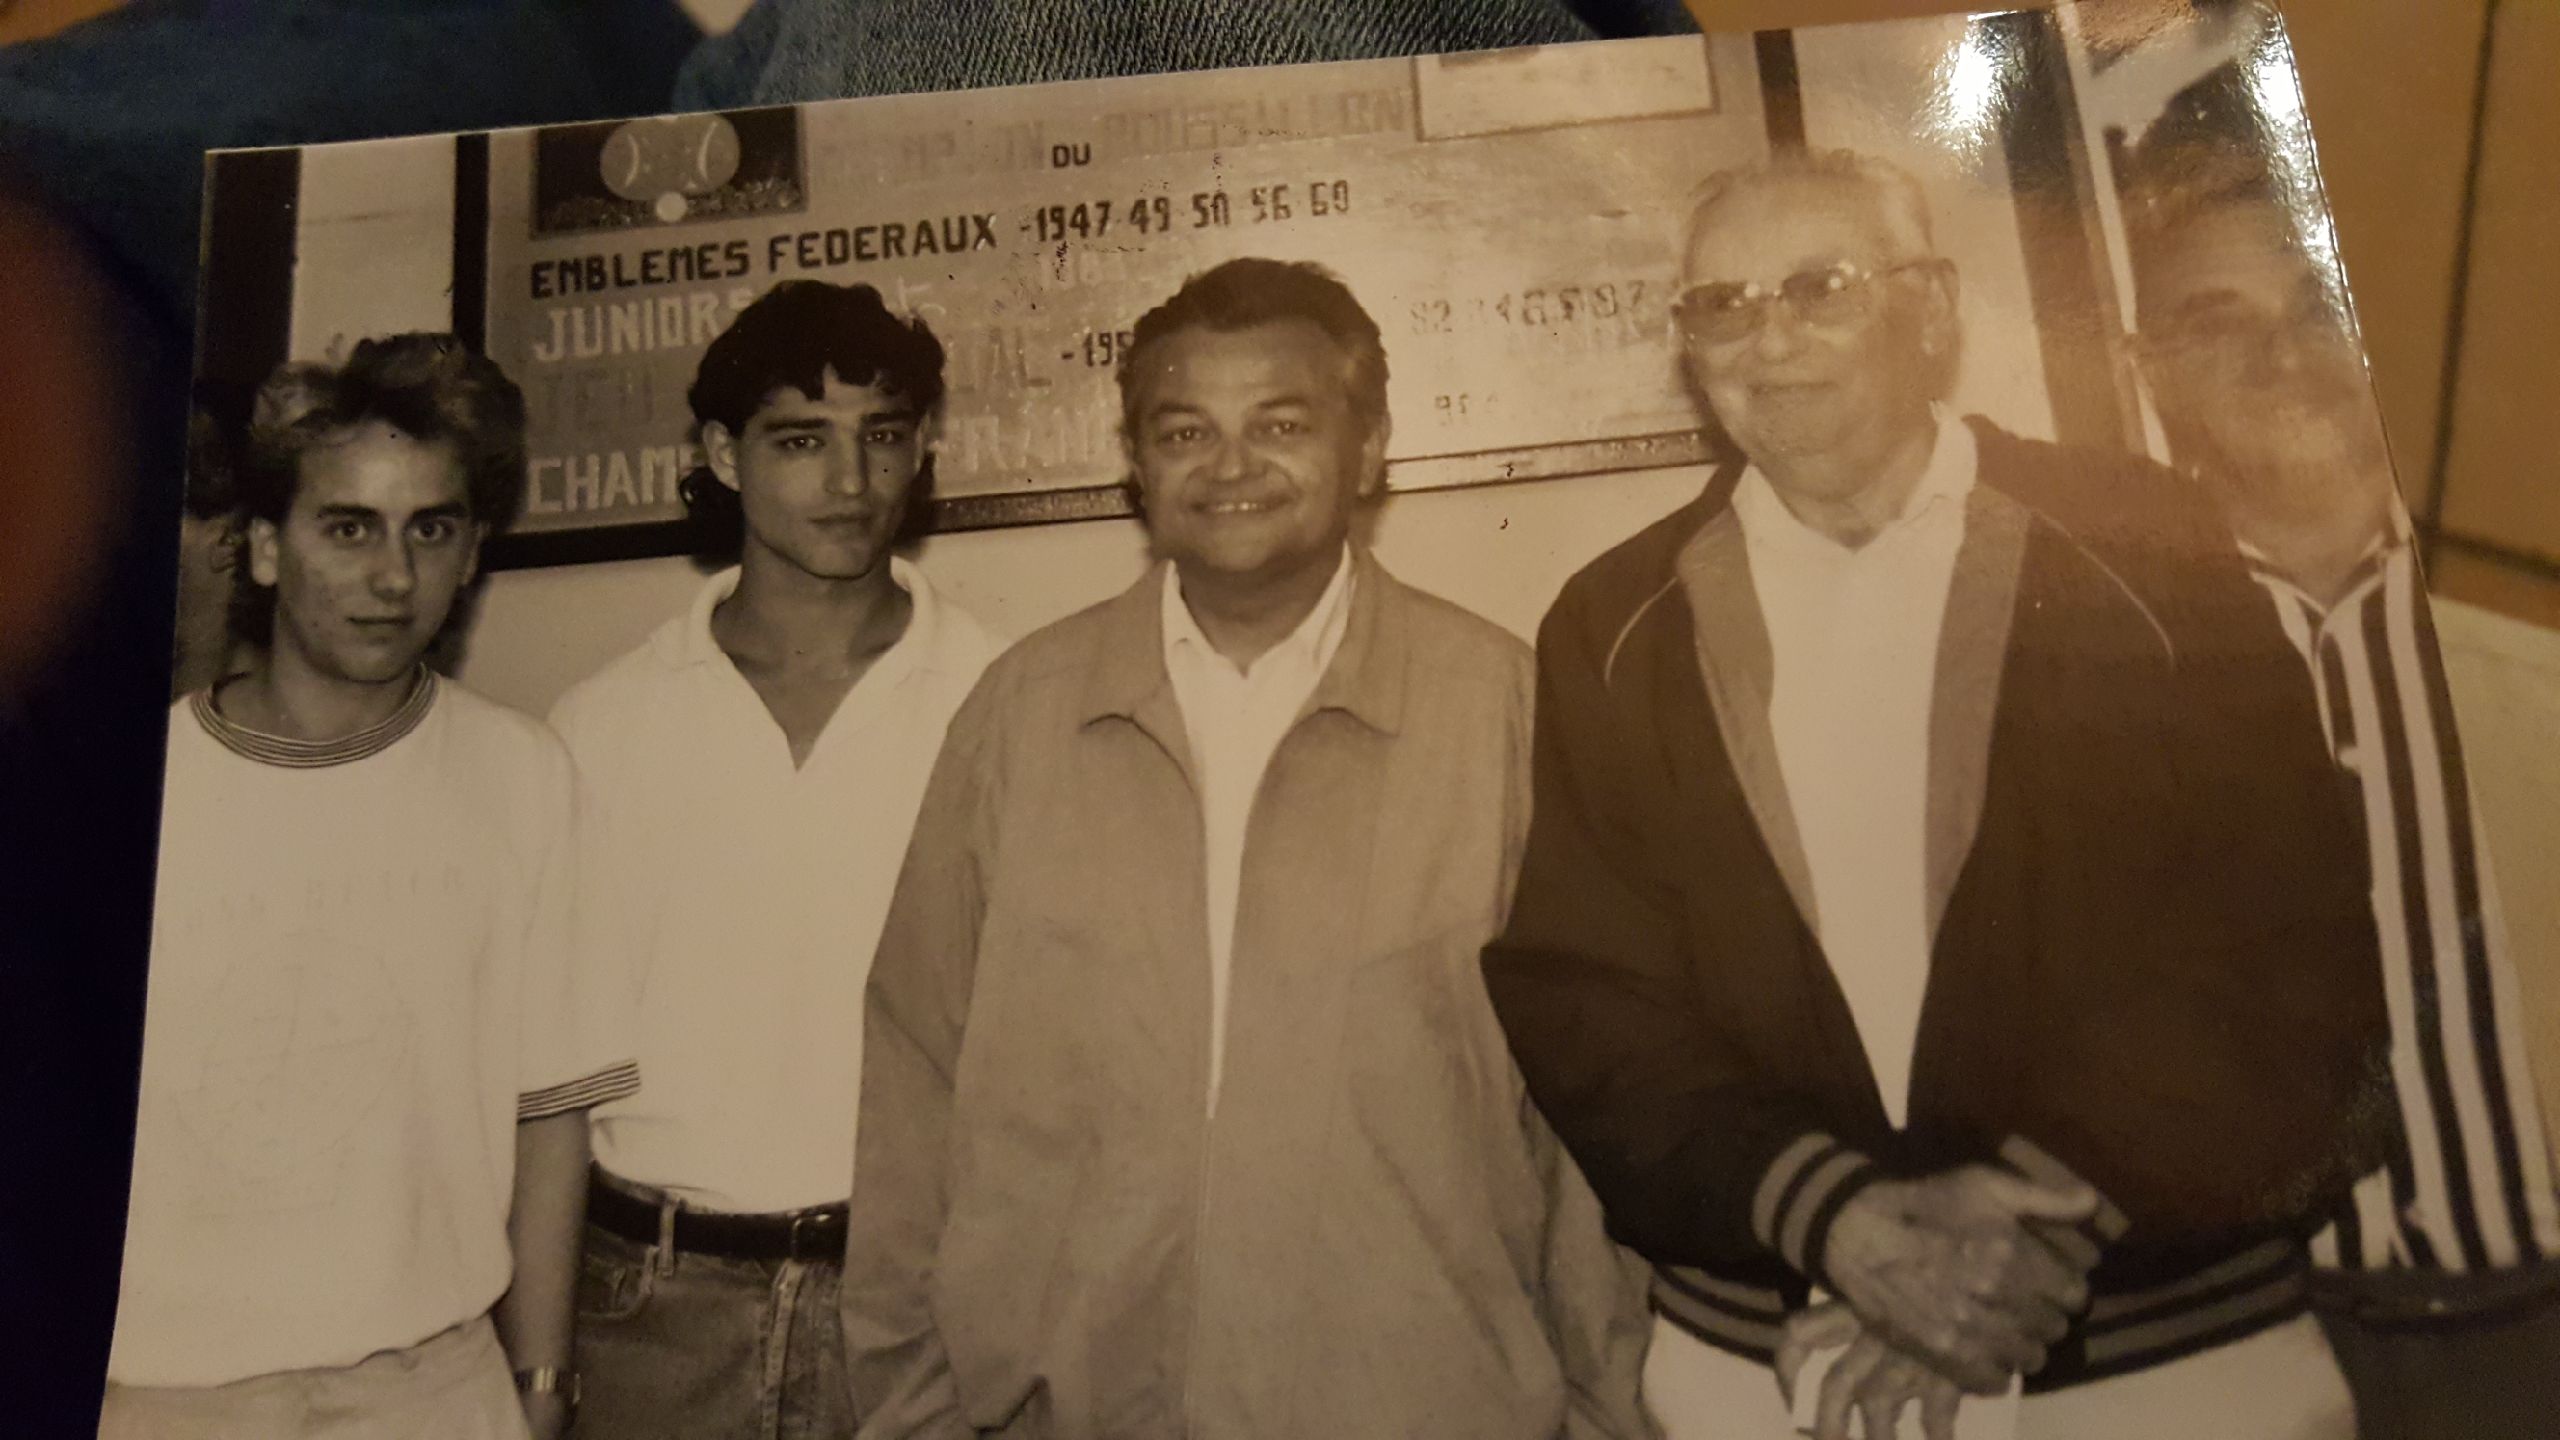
(1801,1195)
(2249,1291)
(586,1092)
(1745,1320)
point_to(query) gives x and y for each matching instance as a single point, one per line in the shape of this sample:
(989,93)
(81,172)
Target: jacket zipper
(1199,1247)
(1209,1101)
(1208,1122)
(1209,1117)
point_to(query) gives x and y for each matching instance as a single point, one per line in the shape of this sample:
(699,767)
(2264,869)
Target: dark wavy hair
(794,335)
(428,386)
(1241,294)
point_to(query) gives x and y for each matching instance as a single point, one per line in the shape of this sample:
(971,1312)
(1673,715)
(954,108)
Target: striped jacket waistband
(2212,1304)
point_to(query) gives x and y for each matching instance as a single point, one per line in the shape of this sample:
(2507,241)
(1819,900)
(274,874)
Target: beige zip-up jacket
(1376,1235)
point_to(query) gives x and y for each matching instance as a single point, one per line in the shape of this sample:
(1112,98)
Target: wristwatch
(549,1380)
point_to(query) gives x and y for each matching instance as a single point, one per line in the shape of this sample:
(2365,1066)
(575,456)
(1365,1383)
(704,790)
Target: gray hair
(1899,199)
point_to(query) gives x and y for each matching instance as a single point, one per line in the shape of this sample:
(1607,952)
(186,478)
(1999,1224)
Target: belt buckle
(666,1246)
(816,1221)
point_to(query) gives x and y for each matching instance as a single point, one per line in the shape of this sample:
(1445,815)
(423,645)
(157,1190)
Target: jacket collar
(1366,680)
(1738,668)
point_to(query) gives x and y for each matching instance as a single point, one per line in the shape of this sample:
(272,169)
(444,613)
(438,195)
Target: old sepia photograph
(1717,737)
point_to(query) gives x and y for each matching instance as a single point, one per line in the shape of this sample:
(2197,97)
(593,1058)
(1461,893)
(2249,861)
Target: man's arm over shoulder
(915,1018)
(1696,1158)
(2277,916)
(2284,882)
(2272,929)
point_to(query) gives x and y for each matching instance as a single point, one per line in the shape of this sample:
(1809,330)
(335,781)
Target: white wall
(373,244)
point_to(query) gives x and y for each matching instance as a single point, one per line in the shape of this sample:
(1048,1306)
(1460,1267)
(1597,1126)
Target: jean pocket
(612,1284)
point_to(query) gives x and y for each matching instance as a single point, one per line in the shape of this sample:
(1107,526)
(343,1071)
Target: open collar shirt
(2472,1189)
(749,892)
(1233,718)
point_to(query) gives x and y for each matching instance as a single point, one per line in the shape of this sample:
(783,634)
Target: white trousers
(2279,1384)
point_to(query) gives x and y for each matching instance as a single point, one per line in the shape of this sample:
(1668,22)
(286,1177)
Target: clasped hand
(1972,1273)
(1870,1380)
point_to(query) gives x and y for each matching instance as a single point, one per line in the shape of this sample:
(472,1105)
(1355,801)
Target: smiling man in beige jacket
(1184,1111)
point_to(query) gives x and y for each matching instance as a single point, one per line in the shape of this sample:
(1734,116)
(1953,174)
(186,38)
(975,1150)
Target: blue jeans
(790,50)
(706,1348)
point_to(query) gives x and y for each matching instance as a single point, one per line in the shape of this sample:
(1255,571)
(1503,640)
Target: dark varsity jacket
(2154,964)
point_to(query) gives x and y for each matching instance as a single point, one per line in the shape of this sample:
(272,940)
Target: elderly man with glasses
(1940,941)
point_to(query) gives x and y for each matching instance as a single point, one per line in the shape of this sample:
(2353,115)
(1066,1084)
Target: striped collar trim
(293,754)
(2370,567)
(2362,583)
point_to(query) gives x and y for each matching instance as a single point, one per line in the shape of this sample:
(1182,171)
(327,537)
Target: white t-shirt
(747,896)
(360,979)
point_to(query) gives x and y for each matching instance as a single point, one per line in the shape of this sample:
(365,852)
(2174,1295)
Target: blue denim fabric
(708,1349)
(110,120)
(792,50)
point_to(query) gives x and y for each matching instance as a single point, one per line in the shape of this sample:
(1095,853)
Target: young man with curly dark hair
(748,777)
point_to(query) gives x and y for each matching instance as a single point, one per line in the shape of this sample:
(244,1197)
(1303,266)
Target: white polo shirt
(1854,634)
(748,894)
(361,979)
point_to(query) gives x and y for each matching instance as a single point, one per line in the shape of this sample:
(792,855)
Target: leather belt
(2419,1298)
(815,1235)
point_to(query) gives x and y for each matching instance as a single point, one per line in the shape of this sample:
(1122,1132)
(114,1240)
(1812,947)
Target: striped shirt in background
(2472,1190)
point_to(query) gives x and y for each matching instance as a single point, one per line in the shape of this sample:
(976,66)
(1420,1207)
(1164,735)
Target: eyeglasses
(1723,311)
(2233,336)
(2231,332)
